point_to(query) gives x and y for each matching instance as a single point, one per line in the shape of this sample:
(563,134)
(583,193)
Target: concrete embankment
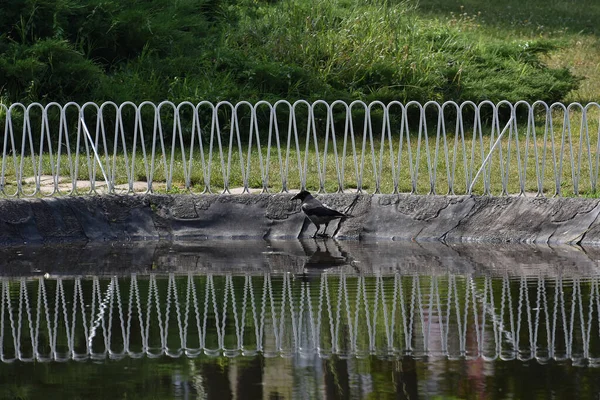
(450,219)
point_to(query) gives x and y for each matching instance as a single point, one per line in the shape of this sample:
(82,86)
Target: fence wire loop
(494,149)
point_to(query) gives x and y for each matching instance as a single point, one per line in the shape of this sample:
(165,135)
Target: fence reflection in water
(455,316)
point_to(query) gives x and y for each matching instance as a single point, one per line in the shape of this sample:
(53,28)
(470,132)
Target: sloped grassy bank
(98,50)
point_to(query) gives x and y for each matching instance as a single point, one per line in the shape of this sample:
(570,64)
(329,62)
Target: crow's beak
(296,197)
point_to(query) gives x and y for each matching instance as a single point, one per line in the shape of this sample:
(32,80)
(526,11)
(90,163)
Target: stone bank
(448,219)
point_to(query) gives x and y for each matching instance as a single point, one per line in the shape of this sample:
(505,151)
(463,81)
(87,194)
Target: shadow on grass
(525,17)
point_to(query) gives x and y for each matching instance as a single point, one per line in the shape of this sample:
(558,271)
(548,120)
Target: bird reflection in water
(323,254)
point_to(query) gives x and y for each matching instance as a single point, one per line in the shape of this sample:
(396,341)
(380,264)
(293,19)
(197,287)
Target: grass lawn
(572,25)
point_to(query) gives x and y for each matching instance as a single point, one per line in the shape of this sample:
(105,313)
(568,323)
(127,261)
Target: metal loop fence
(453,316)
(432,148)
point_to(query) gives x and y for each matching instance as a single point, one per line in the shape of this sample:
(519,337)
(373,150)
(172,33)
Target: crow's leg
(317,231)
(325,230)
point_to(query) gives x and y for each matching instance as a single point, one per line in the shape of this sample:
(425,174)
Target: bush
(48,70)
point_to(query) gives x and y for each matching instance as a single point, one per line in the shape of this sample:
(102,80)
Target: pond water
(301,319)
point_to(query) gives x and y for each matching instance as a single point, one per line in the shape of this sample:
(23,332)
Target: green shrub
(48,70)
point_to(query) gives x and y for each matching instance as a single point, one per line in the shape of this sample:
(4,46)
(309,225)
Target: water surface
(309,319)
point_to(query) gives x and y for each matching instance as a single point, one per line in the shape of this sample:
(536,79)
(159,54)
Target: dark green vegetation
(99,50)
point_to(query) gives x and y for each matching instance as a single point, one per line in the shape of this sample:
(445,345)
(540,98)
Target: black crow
(317,212)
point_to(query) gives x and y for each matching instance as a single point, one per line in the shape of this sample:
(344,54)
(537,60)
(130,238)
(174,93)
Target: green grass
(570,25)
